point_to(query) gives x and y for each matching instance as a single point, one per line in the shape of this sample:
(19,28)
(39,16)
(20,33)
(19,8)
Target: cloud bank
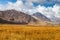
(29,8)
(50,11)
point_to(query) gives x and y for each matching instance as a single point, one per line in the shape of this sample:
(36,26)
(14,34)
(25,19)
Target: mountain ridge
(18,17)
(41,16)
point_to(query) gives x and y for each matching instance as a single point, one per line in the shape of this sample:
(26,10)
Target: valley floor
(27,32)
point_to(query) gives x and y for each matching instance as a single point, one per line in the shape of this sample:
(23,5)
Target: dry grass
(26,32)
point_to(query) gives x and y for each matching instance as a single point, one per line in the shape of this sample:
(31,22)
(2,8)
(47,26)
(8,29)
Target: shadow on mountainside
(9,22)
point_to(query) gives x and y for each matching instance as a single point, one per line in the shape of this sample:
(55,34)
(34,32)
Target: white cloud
(11,5)
(29,8)
(15,6)
(2,7)
(56,9)
(18,6)
(44,1)
(50,11)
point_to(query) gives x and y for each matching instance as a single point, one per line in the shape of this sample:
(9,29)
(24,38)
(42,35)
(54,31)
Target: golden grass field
(27,32)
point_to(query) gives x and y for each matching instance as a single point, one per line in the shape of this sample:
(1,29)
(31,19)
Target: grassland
(27,32)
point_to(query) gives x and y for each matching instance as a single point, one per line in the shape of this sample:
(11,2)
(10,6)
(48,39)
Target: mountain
(41,16)
(18,17)
(43,20)
(13,16)
(55,19)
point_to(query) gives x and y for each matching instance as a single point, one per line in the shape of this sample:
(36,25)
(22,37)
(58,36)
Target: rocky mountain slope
(41,16)
(16,17)
(43,20)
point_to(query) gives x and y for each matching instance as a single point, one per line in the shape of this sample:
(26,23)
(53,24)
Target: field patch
(26,32)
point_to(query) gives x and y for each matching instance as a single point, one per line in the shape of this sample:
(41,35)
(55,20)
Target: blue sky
(47,3)
(6,1)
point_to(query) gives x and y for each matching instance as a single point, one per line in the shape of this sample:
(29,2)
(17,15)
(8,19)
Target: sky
(49,8)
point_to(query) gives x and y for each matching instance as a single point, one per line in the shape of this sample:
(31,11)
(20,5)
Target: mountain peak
(41,16)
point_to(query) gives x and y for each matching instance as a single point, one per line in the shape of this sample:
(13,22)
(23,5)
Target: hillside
(41,16)
(16,17)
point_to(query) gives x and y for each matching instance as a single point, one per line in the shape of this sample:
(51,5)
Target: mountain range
(18,17)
